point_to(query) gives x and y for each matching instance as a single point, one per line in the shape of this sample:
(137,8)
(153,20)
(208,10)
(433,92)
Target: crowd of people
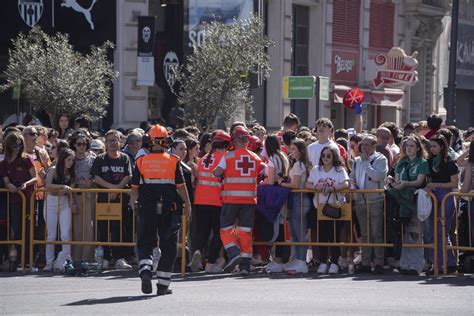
(422,156)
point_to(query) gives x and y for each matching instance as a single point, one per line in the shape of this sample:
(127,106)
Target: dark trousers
(208,221)
(326,234)
(167,224)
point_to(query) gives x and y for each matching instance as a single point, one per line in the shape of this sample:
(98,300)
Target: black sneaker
(412,272)
(146,282)
(362,269)
(378,269)
(233,262)
(163,290)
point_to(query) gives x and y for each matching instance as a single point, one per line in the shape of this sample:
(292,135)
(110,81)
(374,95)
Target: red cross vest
(208,188)
(240,177)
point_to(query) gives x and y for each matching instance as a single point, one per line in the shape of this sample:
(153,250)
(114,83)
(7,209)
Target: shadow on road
(111,300)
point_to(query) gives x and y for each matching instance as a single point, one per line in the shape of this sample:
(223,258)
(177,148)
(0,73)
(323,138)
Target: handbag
(331,211)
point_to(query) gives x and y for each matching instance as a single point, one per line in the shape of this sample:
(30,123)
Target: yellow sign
(108,211)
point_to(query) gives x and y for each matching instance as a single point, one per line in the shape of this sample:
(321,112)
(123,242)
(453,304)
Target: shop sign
(395,69)
(465,57)
(344,66)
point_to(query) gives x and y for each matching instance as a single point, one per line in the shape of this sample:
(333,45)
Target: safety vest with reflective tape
(157,168)
(208,188)
(240,177)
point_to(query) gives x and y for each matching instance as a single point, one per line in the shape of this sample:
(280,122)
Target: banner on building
(395,69)
(145,55)
(201,12)
(465,57)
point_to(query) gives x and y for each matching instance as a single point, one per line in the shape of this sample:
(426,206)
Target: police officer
(240,169)
(157,180)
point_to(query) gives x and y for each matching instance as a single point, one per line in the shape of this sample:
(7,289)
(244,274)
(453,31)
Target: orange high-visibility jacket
(240,177)
(208,188)
(158,168)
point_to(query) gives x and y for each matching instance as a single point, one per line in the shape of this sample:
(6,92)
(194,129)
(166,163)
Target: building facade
(339,39)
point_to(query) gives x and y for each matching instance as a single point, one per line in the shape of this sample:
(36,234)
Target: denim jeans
(298,222)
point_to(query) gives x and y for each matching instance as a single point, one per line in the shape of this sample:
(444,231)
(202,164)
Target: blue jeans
(429,233)
(298,223)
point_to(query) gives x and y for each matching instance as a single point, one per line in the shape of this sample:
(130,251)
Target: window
(381,24)
(346,17)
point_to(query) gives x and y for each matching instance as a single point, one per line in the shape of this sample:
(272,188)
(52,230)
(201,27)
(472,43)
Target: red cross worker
(240,169)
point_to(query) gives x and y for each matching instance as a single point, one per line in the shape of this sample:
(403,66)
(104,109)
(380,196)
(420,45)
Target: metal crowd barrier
(109,210)
(457,247)
(21,242)
(347,217)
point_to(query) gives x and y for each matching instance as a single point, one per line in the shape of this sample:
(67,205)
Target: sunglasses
(326,155)
(81,144)
(17,146)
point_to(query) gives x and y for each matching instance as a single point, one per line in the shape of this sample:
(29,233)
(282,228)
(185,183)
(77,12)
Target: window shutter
(346,16)
(381,24)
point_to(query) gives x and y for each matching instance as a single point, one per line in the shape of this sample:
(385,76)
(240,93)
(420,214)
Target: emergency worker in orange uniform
(240,169)
(208,203)
(157,180)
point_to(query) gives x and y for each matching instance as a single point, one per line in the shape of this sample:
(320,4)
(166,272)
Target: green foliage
(56,78)
(211,81)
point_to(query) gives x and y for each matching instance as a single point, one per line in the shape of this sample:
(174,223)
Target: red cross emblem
(245,165)
(207,162)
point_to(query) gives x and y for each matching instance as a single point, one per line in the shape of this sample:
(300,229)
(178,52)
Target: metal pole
(451,91)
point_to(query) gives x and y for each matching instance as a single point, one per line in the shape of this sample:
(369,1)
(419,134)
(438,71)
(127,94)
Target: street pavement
(118,292)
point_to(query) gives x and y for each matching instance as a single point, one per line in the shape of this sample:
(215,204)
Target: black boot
(146,282)
(162,290)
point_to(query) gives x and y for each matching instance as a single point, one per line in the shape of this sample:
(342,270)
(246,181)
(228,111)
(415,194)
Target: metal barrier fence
(109,209)
(20,242)
(347,216)
(470,219)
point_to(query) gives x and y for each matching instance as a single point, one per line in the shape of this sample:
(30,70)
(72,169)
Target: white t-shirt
(395,150)
(299,169)
(315,149)
(331,178)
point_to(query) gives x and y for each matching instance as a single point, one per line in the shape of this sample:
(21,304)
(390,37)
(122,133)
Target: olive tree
(212,82)
(56,78)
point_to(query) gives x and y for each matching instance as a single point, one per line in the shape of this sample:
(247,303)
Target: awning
(382,97)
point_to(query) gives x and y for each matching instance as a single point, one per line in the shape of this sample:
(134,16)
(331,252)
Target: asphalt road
(118,292)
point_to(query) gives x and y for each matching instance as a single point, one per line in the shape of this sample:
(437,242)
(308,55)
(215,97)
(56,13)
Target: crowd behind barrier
(347,197)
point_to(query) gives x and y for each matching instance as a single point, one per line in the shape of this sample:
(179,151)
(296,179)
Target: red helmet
(221,136)
(254,143)
(240,132)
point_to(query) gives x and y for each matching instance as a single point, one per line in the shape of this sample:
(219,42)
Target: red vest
(208,188)
(240,177)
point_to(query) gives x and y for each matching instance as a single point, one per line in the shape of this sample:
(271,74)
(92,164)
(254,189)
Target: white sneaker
(273,267)
(196,264)
(357,259)
(105,264)
(220,262)
(122,264)
(323,269)
(343,263)
(333,269)
(297,266)
(213,268)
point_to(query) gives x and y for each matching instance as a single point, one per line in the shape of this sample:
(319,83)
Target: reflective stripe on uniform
(164,282)
(144,268)
(245,255)
(209,183)
(206,174)
(240,180)
(157,181)
(244,229)
(230,245)
(230,155)
(227,228)
(145,261)
(239,193)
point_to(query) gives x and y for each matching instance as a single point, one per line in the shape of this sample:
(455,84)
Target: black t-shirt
(111,170)
(445,170)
